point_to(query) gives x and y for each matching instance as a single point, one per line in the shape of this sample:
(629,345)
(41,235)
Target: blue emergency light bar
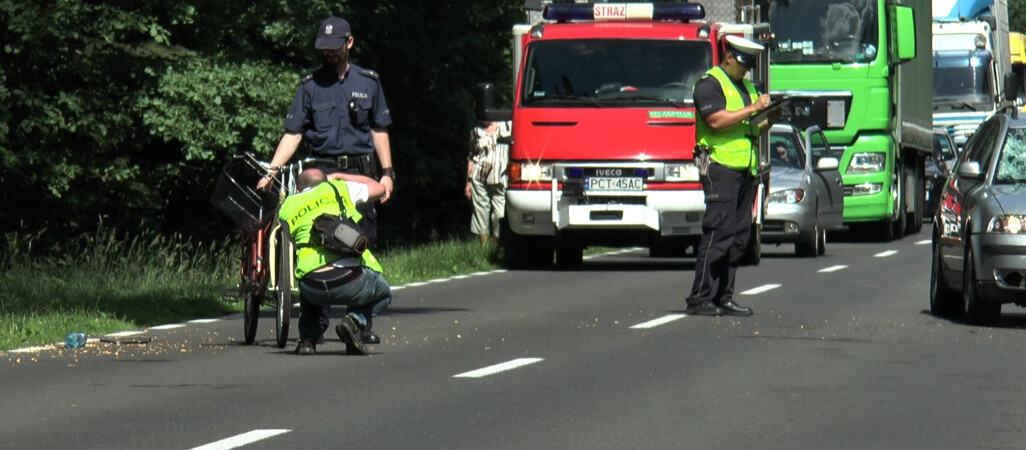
(624,11)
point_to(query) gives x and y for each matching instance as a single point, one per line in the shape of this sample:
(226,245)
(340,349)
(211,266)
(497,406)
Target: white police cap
(745,50)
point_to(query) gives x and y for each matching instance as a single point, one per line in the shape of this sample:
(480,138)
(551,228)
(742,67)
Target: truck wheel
(516,252)
(914,219)
(753,253)
(897,222)
(569,255)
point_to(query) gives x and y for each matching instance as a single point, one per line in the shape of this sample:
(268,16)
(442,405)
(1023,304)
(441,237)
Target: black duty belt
(344,162)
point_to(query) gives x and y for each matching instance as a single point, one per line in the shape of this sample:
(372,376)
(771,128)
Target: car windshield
(1011,167)
(823,31)
(604,73)
(784,151)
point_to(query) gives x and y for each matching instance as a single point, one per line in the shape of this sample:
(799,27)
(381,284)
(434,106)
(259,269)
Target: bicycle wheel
(251,294)
(283,292)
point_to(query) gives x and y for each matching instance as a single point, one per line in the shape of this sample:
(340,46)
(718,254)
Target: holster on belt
(701,155)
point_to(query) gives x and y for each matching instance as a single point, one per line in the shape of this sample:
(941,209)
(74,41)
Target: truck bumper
(663,213)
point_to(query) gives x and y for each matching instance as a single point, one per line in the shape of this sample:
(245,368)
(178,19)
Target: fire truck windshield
(612,73)
(824,31)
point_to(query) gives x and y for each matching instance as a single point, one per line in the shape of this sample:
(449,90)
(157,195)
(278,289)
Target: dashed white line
(760,289)
(491,370)
(124,334)
(168,326)
(240,440)
(885,254)
(660,321)
(832,269)
(204,320)
(924,242)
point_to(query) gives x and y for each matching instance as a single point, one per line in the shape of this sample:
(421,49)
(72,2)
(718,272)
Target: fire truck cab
(604,128)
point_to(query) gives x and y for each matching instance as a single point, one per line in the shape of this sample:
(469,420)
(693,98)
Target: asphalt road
(842,353)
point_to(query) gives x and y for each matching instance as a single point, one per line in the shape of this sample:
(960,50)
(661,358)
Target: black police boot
(706,308)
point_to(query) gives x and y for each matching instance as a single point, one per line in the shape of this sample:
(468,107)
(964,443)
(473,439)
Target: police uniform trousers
(726,226)
(369,227)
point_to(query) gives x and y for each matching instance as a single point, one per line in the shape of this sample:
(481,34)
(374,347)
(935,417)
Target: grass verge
(102,284)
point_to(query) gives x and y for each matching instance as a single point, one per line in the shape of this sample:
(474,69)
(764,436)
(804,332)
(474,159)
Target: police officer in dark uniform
(340,112)
(725,100)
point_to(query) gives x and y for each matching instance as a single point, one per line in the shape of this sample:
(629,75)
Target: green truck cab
(861,71)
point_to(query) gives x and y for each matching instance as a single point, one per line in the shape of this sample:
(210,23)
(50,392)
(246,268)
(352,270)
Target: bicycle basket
(235,195)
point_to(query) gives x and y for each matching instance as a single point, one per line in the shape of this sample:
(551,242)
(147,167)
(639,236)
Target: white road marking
(924,242)
(168,326)
(204,320)
(832,269)
(760,289)
(242,439)
(660,321)
(491,370)
(885,254)
(124,334)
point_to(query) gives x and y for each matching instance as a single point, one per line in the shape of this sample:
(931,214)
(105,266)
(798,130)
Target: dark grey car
(979,230)
(805,192)
(938,167)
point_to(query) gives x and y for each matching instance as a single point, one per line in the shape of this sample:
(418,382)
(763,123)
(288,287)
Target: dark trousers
(369,227)
(729,196)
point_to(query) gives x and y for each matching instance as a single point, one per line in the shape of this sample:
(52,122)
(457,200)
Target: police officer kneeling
(726,100)
(326,277)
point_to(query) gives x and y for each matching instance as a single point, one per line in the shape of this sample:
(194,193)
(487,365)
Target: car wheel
(943,299)
(975,310)
(809,248)
(822,242)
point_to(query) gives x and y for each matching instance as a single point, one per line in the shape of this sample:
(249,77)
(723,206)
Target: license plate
(613,184)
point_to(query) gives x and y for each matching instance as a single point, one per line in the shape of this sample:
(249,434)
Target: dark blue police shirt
(710,99)
(336,116)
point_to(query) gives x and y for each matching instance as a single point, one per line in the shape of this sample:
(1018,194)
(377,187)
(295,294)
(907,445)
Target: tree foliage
(121,112)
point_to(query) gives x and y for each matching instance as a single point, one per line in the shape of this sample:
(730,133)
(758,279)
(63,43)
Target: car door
(957,198)
(831,197)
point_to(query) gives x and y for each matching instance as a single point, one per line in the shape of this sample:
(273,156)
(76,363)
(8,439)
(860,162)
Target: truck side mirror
(484,107)
(1011,87)
(903,36)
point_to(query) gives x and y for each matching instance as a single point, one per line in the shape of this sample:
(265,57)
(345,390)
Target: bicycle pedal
(231,295)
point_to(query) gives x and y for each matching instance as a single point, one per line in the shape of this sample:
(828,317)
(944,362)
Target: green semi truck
(861,71)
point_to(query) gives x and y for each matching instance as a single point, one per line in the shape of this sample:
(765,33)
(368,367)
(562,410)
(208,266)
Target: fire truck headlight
(535,172)
(681,172)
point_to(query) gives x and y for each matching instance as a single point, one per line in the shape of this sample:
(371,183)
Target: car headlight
(1008,223)
(530,172)
(787,196)
(681,172)
(867,163)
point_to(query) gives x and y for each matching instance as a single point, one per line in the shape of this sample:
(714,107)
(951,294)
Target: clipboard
(761,119)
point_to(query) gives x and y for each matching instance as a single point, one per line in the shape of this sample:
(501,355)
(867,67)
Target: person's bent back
(327,277)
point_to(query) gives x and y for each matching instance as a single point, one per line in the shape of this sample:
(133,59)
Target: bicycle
(268,253)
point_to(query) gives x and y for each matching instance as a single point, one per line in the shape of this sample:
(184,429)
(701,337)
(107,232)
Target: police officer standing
(726,100)
(340,111)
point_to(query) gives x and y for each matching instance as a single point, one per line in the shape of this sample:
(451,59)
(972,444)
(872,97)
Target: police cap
(746,51)
(333,34)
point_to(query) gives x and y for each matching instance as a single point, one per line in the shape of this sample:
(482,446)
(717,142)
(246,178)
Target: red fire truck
(604,128)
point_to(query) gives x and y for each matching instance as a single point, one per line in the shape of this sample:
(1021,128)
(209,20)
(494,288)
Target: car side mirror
(827,163)
(970,170)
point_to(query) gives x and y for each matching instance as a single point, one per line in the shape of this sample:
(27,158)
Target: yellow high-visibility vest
(733,146)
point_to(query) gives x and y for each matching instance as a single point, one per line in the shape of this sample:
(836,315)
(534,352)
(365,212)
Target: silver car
(979,230)
(806,195)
